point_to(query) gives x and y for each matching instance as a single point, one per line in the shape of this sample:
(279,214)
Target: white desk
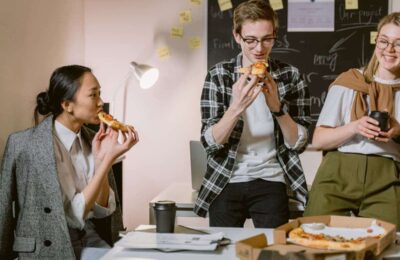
(225,252)
(184,197)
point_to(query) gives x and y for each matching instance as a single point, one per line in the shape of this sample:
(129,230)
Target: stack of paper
(170,241)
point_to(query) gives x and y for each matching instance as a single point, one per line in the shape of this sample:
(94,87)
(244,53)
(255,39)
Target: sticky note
(276,4)
(194,42)
(176,32)
(225,5)
(373,37)
(196,2)
(351,4)
(163,52)
(185,16)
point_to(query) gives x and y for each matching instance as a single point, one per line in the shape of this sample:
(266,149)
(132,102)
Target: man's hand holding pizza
(271,94)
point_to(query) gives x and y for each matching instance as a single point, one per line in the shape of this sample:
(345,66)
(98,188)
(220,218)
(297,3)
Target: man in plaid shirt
(253,129)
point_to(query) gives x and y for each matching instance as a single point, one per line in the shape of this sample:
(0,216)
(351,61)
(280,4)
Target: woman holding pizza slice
(360,173)
(59,175)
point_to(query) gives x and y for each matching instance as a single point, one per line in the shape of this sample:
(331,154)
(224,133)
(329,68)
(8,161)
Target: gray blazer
(29,178)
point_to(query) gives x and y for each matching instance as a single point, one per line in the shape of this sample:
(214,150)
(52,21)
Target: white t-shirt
(256,155)
(337,110)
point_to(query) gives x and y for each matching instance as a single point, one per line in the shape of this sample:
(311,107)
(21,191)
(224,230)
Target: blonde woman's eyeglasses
(383,44)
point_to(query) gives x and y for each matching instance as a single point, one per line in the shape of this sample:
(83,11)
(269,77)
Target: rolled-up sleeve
(78,209)
(100,211)
(212,109)
(302,139)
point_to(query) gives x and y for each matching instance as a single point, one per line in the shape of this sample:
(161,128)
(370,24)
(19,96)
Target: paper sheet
(170,241)
(311,16)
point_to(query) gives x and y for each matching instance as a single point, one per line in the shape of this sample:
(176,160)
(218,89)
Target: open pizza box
(257,247)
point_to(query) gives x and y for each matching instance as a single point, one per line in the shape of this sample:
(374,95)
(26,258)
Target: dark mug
(165,211)
(382,118)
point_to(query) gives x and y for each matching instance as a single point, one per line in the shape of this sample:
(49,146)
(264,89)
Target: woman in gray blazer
(57,189)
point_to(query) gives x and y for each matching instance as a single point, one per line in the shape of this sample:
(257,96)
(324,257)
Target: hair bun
(43,105)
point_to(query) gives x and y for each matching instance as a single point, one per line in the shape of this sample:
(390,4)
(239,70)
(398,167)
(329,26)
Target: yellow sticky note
(276,4)
(194,42)
(373,37)
(196,2)
(176,32)
(185,16)
(351,4)
(225,5)
(163,52)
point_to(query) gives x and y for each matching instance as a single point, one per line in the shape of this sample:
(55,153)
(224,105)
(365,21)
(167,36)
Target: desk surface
(225,252)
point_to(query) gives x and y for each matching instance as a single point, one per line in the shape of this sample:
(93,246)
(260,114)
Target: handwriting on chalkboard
(282,45)
(326,60)
(360,16)
(318,101)
(230,43)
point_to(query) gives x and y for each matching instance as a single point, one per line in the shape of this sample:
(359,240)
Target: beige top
(71,181)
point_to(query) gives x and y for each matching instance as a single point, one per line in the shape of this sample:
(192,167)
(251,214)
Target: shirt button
(47,210)
(47,243)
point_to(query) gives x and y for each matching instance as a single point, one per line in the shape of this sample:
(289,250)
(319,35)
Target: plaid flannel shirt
(215,100)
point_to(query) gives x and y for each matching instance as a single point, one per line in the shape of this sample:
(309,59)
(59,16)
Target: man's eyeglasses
(253,42)
(383,44)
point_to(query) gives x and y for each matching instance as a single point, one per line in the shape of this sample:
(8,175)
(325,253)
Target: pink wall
(35,38)
(166,116)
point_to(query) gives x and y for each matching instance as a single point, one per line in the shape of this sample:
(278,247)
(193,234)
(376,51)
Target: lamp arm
(124,87)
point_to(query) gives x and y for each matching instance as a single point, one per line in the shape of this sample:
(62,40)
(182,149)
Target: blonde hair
(254,10)
(372,66)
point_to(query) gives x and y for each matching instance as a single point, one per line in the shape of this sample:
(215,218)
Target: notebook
(198,163)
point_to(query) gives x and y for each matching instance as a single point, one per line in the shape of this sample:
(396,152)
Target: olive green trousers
(363,185)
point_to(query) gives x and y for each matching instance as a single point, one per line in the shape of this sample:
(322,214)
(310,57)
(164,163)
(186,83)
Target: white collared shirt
(76,204)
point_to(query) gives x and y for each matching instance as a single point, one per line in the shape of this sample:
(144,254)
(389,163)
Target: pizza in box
(322,236)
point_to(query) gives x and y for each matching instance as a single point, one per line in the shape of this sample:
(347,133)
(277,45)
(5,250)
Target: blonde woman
(360,174)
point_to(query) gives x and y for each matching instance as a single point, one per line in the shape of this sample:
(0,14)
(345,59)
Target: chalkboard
(320,56)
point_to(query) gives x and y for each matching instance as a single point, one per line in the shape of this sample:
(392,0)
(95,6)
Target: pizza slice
(333,238)
(259,68)
(112,122)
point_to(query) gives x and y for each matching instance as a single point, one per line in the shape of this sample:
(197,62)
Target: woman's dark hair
(64,83)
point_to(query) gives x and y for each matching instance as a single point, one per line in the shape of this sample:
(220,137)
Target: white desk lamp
(145,74)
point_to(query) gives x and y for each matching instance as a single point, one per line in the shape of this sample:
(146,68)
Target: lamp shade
(146,74)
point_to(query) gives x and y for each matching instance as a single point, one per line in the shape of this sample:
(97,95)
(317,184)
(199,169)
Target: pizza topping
(108,116)
(347,233)
(259,68)
(112,122)
(319,235)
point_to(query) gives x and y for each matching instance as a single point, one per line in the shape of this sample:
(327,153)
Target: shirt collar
(386,81)
(67,137)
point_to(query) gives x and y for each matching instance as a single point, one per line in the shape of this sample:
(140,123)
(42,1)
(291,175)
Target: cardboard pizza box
(257,247)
